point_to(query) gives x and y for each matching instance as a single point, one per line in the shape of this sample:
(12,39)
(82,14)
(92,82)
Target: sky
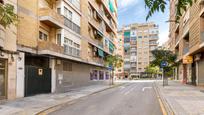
(133,11)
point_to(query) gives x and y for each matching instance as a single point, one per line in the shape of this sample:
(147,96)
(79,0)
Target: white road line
(143,89)
(130,90)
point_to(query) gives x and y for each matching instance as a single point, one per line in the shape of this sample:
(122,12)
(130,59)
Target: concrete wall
(20,82)
(79,76)
(28,24)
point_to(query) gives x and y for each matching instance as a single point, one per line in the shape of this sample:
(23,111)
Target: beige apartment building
(119,72)
(186,40)
(8,58)
(57,45)
(139,41)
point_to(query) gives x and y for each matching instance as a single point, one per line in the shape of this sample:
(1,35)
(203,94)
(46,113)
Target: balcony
(45,47)
(100,44)
(71,51)
(76,3)
(201,8)
(68,23)
(2,36)
(51,18)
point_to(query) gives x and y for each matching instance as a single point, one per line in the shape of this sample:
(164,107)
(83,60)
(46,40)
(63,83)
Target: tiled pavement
(182,99)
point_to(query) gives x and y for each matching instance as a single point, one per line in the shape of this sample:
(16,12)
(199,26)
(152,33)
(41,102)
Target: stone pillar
(184,74)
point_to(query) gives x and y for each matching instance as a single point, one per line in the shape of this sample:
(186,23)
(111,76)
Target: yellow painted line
(162,107)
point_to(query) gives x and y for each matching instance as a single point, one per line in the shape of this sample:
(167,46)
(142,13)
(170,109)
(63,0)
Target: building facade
(186,38)
(8,58)
(56,46)
(139,41)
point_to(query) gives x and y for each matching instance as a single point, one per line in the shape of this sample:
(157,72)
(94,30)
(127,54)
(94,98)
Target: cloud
(163,36)
(125,4)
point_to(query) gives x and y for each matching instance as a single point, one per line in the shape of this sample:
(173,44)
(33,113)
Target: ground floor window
(2,78)
(101,75)
(107,75)
(94,75)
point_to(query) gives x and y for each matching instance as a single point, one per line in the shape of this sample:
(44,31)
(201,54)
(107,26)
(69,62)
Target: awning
(100,53)
(99,33)
(111,6)
(127,34)
(111,46)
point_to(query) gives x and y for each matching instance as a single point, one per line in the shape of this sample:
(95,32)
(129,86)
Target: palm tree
(7,14)
(113,61)
(160,5)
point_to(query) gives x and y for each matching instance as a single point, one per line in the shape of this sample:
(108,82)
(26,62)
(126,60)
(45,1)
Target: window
(94,75)
(139,36)
(67,13)
(101,75)
(106,42)
(42,36)
(59,39)
(59,10)
(67,66)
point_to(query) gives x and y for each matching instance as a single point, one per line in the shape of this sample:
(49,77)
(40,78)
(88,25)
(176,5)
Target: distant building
(139,41)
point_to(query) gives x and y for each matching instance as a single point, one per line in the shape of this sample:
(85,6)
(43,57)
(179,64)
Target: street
(133,98)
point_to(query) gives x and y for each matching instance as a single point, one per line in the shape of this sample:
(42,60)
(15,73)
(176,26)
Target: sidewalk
(181,99)
(35,104)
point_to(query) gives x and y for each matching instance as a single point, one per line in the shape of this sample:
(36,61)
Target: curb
(57,107)
(166,108)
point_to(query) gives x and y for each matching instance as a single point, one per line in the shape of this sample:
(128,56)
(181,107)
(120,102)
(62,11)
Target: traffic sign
(164,64)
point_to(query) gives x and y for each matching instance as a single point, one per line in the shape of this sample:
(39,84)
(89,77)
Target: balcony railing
(2,36)
(72,25)
(100,44)
(71,51)
(44,45)
(51,17)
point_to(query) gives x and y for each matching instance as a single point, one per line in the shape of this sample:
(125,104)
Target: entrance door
(37,80)
(3,78)
(193,78)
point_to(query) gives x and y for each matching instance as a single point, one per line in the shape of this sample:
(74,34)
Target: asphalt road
(136,98)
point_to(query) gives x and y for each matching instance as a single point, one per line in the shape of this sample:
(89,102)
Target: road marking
(143,89)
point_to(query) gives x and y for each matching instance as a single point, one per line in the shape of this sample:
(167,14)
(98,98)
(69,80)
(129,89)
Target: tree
(113,61)
(7,14)
(164,55)
(160,5)
(153,70)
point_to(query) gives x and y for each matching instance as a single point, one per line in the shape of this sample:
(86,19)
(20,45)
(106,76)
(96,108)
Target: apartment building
(99,23)
(186,38)
(119,72)
(61,44)
(139,41)
(8,58)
